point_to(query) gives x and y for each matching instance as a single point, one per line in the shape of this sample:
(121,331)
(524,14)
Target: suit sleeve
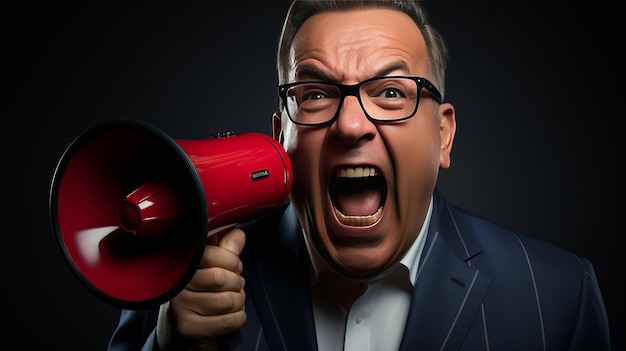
(135,331)
(592,327)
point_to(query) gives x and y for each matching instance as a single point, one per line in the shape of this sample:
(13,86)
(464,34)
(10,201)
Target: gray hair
(301,10)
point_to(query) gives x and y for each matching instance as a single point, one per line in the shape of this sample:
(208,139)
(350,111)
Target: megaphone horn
(131,208)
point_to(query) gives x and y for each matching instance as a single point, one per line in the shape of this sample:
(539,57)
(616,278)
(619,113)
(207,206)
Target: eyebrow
(310,72)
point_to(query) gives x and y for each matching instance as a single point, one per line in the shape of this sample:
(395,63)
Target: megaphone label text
(260,174)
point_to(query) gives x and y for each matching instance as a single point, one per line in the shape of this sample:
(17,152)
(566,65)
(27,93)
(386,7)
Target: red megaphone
(131,208)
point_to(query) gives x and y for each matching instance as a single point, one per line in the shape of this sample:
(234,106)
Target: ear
(277,130)
(447,130)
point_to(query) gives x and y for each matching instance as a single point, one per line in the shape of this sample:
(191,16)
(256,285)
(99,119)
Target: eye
(313,94)
(392,93)
(387,89)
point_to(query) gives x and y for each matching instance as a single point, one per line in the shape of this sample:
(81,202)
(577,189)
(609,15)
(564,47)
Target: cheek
(416,163)
(425,144)
(305,158)
(306,192)
(418,158)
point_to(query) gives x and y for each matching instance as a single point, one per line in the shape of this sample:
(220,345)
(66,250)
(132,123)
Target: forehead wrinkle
(356,55)
(350,54)
(312,72)
(351,58)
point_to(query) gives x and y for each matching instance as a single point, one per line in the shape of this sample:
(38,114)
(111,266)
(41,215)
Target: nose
(352,125)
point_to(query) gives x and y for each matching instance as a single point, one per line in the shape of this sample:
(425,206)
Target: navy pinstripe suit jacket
(479,287)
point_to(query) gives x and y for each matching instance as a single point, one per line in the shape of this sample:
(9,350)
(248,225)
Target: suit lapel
(446,298)
(279,285)
(448,290)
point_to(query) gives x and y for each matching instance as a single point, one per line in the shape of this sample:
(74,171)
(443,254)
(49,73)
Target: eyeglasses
(383,99)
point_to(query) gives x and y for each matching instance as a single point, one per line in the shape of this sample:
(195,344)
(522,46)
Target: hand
(212,304)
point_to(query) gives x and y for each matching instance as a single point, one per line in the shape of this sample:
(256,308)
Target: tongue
(363,203)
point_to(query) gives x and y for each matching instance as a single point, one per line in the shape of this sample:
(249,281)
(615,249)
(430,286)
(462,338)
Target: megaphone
(132,208)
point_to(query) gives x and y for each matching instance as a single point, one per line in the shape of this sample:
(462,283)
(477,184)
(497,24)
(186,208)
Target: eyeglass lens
(384,99)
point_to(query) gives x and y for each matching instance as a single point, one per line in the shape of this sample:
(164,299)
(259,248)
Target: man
(368,255)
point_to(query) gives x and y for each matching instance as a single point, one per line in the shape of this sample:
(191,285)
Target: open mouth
(358,195)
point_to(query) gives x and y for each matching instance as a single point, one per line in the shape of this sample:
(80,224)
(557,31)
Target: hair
(301,10)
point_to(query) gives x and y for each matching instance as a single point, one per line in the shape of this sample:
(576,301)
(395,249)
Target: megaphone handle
(215,235)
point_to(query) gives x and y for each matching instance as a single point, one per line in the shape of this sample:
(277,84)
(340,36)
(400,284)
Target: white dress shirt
(376,319)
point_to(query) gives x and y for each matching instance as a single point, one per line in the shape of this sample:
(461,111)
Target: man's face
(366,222)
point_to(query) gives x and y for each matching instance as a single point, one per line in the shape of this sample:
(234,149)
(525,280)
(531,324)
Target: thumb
(233,240)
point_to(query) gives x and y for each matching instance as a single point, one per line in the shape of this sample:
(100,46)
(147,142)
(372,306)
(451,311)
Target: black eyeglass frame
(353,90)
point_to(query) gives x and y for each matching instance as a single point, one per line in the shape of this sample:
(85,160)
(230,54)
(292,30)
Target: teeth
(356,172)
(359,220)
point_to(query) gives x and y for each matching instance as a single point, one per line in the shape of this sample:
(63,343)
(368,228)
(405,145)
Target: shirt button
(358,318)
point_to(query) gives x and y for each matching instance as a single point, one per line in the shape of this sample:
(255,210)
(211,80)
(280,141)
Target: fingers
(202,316)
(226,253)
(212,303)
(220,266)
(204,328)
(216,289)
(215,279)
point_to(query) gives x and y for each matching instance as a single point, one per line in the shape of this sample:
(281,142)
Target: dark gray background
(537,87)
